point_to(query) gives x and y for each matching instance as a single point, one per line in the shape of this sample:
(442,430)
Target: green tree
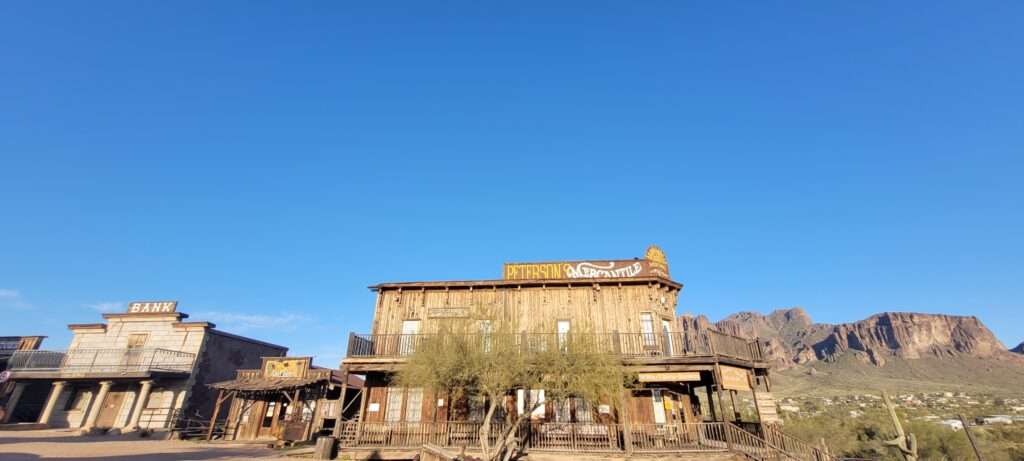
(488,359)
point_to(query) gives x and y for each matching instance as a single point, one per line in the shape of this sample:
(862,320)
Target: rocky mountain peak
(1019,349)
(793,338)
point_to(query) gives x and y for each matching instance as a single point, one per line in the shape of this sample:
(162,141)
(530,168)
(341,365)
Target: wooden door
(109,409)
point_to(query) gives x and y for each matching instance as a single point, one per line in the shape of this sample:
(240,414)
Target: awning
(266,384)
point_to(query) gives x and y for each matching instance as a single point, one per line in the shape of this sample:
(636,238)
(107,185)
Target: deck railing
(627,345)
(578,438)
(78,361)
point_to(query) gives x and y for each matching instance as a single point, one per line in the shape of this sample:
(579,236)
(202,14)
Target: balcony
(626,345)
(100,362)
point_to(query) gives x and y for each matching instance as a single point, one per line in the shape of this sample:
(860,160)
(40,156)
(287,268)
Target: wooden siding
(594,308)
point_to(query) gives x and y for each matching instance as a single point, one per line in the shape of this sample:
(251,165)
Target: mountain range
(899,350)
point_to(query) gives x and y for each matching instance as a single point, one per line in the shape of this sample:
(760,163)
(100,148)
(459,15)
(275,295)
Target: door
(407,341)
(109,409)
(659,406)
(666,330)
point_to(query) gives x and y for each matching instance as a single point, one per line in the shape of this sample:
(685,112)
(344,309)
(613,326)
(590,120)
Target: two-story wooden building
(683,398)
(145,368)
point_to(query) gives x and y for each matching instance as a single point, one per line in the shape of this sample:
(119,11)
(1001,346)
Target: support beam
(341,403)
(94,409)
(12,401)
(627,428)
(140,404)
(216,412)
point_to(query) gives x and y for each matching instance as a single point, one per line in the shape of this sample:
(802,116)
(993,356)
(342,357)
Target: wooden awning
(267,384)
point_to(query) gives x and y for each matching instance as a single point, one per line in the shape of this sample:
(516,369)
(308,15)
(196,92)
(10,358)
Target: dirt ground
(64,445)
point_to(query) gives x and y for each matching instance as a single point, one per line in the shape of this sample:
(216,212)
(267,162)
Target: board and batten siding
(596,308)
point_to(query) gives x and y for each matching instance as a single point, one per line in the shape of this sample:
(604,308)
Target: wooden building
(687,378)
(31,397)
(286,399)
(146,368)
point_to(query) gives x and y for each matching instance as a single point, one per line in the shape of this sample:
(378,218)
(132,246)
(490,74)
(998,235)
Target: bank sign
(152,307)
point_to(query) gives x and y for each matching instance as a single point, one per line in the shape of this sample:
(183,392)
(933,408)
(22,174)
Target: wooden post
(711,403)
(627,430)
(341,403)
(216,411)
(970,437)
(721,403)
(735,412)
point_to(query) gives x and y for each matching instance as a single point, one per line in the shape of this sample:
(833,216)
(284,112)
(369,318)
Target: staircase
(775,446)
(349,431)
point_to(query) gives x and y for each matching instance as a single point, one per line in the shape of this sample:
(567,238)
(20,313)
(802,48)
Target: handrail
(708,343)
(98,360)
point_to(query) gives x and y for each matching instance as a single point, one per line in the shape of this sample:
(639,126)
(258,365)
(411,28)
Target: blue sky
(264,162)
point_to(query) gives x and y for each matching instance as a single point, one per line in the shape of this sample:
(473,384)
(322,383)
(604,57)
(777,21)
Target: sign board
(448,312)
(735,379)
(373,407)
(152,307)
(285,368)
(654,264)
(669,377)
(766,407)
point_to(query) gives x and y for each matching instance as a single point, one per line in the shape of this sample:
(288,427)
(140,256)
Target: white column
(97,406)
(51,402)
(12,402)
(140,404)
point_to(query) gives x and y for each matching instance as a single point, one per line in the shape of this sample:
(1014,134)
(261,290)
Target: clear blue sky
(264,162)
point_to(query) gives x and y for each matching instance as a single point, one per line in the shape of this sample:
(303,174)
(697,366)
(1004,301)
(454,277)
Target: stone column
(140,404)
(51,402)
(12,402)
(97,406)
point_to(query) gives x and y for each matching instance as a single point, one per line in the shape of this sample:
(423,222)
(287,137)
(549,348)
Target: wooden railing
(627,345)
(802,450)
(586,437)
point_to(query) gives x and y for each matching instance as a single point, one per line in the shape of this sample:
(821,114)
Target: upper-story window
(410,334)
(563,334)
(647,329)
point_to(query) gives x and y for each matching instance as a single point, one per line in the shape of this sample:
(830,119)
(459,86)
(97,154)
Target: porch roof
(267,384)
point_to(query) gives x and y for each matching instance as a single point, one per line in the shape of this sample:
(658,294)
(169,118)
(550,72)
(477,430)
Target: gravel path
(64,445)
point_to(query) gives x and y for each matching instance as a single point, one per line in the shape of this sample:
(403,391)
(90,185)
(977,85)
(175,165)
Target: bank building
(689,383)
(145,368)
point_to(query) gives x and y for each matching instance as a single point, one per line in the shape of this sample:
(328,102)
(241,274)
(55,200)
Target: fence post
(617,343)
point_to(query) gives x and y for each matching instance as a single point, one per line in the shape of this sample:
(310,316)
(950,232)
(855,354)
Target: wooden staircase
(349,431)
(774,446)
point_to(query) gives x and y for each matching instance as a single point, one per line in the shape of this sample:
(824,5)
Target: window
(666,330)
(137,340)
(563,334)
(659,406)
(584,412)
(485,334)
(563,411)
(647,329)
(394,412)
(414,405)
(536,395)
(407,341)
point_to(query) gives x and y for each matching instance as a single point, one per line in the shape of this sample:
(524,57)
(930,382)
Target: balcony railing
(627,345)
(578,437)
(97,361)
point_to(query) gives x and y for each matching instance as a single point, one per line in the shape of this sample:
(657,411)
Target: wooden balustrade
(627,345)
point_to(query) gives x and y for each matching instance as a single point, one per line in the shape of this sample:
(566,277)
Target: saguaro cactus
(905,443)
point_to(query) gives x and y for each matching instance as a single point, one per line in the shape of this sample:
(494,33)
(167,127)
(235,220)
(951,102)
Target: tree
(487,359)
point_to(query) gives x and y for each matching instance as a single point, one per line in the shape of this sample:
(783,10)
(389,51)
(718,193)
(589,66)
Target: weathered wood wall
(593,308)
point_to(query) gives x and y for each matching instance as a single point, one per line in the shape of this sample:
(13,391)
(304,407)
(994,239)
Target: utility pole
(970,437)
